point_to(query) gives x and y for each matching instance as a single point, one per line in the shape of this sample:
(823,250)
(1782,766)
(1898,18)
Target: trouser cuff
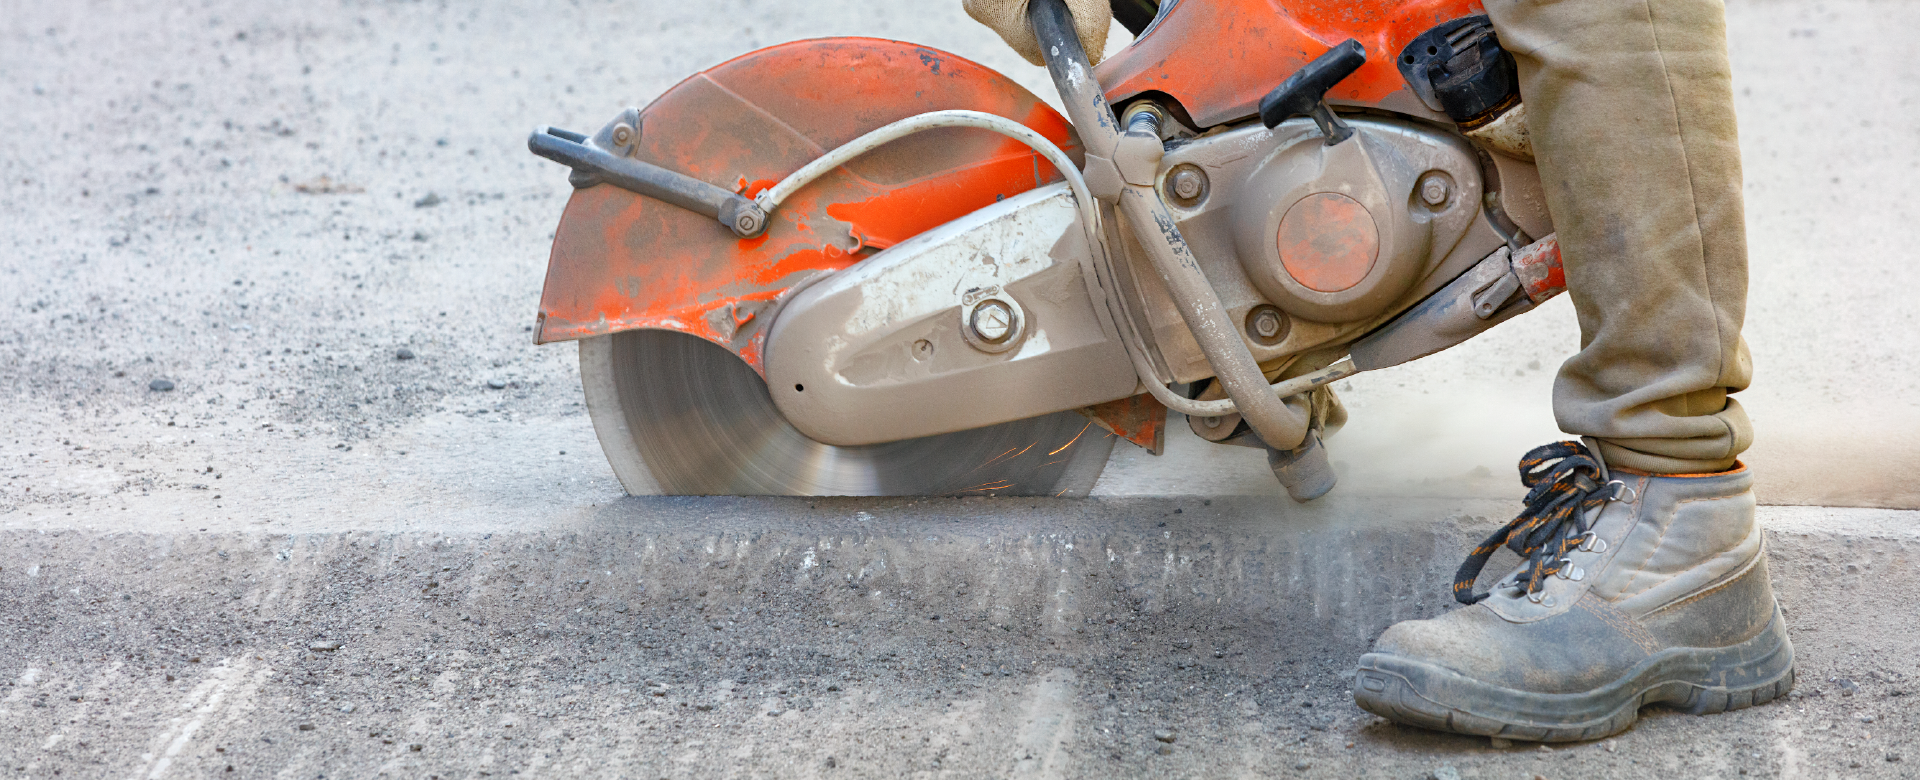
(1639,460)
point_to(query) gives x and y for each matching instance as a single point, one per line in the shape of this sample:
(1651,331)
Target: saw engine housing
(1334,237)
(940,252)
(855,358)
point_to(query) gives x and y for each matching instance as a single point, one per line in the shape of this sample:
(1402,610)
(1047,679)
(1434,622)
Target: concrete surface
(263,202)
(667,637)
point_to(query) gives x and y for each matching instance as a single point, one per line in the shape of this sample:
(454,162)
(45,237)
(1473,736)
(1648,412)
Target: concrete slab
(672,637)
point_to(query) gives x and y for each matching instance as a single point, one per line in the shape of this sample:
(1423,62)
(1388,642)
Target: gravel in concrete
(772,634)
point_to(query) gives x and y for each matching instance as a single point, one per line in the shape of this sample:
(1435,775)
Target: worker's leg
(1630,109)
(1641,584)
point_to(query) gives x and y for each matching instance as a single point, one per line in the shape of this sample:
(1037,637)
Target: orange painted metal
(1538,266)
(1141,419)
(1217,58)
(1328,242)
(622,261)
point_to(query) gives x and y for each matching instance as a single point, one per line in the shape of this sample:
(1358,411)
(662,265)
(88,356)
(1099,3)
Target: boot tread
(1388,686)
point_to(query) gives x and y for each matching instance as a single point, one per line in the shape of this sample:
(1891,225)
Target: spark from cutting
(1076,437)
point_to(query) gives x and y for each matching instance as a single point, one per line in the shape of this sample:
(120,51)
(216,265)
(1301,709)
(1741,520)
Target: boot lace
(1565,485)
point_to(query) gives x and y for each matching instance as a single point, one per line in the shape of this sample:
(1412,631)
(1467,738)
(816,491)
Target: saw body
(626,261)
(855,266)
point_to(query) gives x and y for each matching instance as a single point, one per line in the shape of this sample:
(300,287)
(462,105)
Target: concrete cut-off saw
(854,266)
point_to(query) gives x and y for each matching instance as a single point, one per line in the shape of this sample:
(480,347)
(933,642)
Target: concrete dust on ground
(268,277)
(861,638)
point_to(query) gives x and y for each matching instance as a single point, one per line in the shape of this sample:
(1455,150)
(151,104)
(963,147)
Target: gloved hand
(1091,18)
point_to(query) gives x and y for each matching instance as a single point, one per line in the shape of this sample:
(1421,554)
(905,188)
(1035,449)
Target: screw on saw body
(1267,325)
(992,322)
(1187,184)
(1434,189)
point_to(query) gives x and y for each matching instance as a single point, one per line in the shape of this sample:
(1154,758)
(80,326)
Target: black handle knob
(1304,92)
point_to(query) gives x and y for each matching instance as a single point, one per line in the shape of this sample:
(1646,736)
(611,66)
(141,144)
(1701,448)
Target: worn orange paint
(1141,419)
(1539,268)
(902,212)
(1217,58)
(621,261)
(1328,242)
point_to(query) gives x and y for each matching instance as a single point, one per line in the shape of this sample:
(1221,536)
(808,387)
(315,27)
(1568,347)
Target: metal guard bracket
(593,165)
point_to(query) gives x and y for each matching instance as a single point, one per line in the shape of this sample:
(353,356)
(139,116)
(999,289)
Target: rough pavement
(264,204)
(668,637)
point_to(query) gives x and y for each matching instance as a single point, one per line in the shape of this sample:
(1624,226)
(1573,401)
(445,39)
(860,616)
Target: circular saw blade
(700,422)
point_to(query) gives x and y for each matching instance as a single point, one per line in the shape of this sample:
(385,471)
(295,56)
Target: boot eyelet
(1568,571)
(1540,598)
(1591,542)
(1624,491)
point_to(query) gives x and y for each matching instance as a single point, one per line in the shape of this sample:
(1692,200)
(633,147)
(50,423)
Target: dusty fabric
(1091,18)
(1630,111)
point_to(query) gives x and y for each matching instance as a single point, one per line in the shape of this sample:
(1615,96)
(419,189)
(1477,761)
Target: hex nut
(1267,325)
(1434,190)
(1188,185)
(747,223)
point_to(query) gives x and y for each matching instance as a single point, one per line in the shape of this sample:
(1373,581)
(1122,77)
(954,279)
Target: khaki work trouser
(1630,109)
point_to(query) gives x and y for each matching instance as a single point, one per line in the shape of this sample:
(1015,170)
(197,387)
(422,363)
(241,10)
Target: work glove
(1091,18)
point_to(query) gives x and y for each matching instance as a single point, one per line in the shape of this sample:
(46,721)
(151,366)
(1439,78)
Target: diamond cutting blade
(698,421)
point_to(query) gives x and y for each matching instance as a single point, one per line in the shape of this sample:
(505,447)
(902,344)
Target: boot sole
(1699,680)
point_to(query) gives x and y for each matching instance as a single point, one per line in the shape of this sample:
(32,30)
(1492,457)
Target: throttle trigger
(1304,93)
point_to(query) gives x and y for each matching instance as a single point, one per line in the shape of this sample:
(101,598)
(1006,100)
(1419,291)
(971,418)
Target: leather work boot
(1637,589)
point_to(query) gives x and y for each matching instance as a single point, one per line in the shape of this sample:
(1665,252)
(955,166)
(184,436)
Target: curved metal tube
(1089,219)
(1199,305)
(1287,388)
(1089,216)
(1083,200)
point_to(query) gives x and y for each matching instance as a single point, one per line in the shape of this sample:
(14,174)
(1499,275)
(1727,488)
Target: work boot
(1637,589)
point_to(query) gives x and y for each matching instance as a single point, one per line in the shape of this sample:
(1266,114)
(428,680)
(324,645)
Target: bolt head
(992,321)
(622,135)
(1188,184)
(1435,191)
(746,223)
(1266,324)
